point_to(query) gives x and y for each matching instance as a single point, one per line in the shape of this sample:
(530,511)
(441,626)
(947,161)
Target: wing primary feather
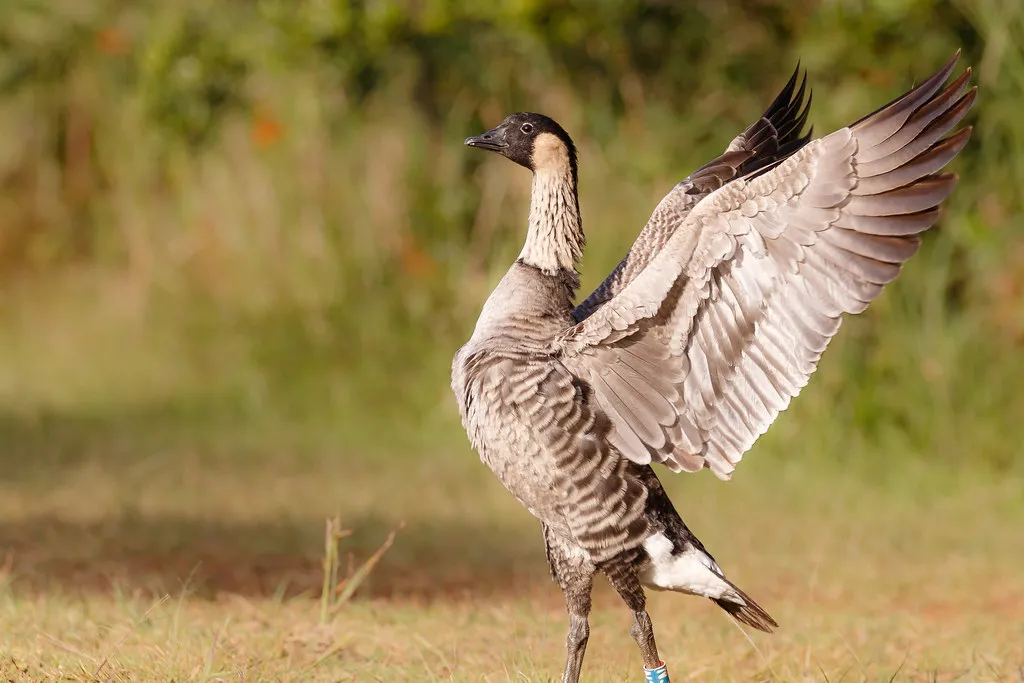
(925,164)
(886,120)
(921,196)
(929,123)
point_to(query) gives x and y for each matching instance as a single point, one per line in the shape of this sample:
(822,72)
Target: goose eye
(527,128)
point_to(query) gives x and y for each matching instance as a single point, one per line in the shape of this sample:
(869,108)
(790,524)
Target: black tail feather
(743,609)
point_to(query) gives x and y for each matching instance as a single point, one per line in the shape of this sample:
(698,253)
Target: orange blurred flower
(112,41)
(415,261)
(266,130)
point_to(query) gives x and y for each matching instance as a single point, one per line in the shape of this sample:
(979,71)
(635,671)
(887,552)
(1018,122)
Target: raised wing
(772,137)
(694,358)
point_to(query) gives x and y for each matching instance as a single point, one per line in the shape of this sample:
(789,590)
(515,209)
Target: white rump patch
(691,571)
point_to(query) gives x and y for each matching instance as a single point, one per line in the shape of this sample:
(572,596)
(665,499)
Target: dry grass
(206,567)
(240,638)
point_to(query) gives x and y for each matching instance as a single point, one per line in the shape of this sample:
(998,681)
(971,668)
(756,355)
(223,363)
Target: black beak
(493,140)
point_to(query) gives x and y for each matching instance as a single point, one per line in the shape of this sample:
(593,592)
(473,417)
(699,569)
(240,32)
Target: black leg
(577,602)
(626,583)
(575,574)
(643,633)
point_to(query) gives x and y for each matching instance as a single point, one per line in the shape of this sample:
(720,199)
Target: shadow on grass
(122,546)
(163,555)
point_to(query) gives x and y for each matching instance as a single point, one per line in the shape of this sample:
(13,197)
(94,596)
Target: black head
(531,140)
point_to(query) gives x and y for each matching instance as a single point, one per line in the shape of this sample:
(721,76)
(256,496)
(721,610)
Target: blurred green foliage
(264,209)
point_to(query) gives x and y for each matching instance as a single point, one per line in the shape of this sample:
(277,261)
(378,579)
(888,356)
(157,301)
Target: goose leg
(575,575)
(577,602)
(643,633)
(632,593)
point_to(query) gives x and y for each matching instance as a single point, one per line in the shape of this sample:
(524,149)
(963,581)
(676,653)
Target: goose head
(531,140)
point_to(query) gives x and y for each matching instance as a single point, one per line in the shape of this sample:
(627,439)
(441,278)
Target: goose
(691,347)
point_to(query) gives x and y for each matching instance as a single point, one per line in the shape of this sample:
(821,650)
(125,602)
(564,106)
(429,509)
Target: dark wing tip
(778,132)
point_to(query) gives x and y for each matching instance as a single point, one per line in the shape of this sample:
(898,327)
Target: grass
(208,565)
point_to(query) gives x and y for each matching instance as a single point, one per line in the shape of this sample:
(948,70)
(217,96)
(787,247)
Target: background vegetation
(240,242)
(263,209)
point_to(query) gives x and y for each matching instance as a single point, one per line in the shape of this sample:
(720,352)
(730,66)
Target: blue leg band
(659,675)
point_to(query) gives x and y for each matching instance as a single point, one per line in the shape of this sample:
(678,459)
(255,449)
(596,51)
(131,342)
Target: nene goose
(691,347)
